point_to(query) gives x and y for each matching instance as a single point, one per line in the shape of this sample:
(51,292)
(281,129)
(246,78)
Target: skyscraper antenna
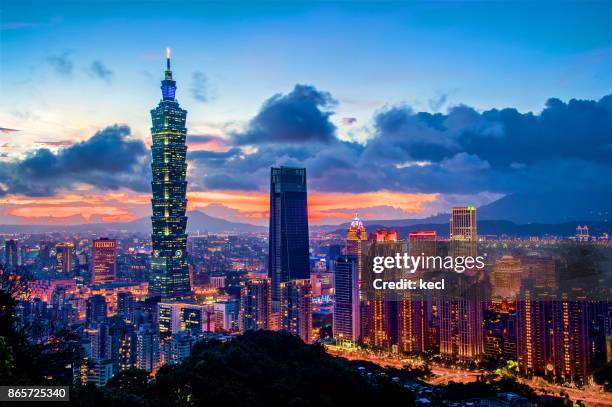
(168,58)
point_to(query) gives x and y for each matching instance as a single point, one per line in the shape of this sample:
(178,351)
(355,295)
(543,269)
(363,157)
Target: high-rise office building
(288,241)
(296,308)
(169,277)
(104,263)
(255,305)
(347,317)
(10,254)
(356,242)
(463,231)
(64,256)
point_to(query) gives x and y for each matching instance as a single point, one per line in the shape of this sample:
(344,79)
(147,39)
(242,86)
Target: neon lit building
(104,261)
(169,277)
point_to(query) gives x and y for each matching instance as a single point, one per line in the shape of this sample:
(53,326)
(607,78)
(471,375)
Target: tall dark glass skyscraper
(169,276)
(289,257)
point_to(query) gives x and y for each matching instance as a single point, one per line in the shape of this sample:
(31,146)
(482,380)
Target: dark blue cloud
(567,145)
(110,159)
(300,116)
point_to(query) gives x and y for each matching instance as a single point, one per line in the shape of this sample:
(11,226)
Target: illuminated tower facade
(64,257)
(356,240)
(169,277)
(288,241)
(104,262)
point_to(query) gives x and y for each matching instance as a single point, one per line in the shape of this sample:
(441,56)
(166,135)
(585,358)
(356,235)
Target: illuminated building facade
(169,276)
(174,317)
(381,314)
(288,240)
(356,241)
(104,261)
(64,256)
(571,340)
(296,308)
(461,320)
(534,351)
(255,305)
(463,231)
(347,318)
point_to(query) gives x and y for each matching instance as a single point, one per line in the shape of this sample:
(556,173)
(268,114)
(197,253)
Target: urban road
(592,396)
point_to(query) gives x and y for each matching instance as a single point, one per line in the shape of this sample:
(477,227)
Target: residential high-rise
(534,350)
(461,319)
(169,276)
(571,339)
(296,308)
(64,256)
(347,318)
(147,348)
(104,263)
(380,325)
(126,305)
(288,241)
(95,309)
(255,305)
(10,254)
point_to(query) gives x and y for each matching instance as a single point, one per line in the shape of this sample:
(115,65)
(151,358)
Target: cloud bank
(461,151)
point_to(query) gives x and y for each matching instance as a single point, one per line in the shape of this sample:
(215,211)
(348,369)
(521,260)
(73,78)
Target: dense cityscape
(131,300)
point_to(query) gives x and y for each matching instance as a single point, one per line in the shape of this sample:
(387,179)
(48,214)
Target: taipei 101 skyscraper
(169,277)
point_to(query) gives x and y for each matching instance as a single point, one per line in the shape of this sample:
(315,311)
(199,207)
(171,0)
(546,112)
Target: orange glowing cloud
(252,207)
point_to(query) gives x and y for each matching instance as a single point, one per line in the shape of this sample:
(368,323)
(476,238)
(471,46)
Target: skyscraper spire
(168,84)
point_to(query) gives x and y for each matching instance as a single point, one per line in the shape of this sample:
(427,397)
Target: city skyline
(357,126)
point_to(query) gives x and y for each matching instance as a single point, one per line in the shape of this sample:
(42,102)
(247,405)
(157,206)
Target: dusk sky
(396,110)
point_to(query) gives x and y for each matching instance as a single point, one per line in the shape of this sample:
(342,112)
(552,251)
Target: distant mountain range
(518,214)
(198,222)
(541,209)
